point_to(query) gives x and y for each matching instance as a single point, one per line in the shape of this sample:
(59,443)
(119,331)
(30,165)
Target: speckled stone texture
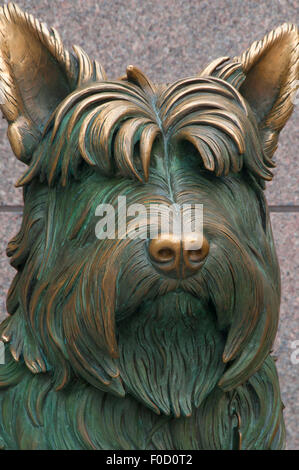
(169,40)
(286,235)
(9,225)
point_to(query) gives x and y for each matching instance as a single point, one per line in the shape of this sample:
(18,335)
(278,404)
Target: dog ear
(36,74)
(271,68)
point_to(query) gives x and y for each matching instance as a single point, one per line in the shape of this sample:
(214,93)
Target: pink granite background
(168,40)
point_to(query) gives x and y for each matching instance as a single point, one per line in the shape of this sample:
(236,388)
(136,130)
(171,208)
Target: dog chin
(171,353)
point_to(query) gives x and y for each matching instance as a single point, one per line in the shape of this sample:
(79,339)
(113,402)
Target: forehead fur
(111,124)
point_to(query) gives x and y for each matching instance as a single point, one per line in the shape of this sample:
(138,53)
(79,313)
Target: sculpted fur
(109,343)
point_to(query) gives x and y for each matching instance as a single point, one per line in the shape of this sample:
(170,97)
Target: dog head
(152,317)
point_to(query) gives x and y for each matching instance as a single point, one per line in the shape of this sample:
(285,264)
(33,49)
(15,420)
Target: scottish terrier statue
(140,342)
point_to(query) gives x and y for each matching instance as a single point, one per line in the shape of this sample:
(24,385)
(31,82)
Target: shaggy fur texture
(102,350)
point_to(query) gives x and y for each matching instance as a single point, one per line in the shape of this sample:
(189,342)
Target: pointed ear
(271,68)
(36,74)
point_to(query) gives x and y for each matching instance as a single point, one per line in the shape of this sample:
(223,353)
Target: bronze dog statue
(140,343)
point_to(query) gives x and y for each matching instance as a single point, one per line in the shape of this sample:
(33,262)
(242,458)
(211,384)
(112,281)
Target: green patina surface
(108,345)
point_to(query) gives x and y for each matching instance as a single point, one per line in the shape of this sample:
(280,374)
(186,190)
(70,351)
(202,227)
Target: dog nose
(178,257)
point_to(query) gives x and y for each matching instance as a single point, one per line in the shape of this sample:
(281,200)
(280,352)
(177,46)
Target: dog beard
(170,353)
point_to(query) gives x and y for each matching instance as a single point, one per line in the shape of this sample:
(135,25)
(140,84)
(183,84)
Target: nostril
(165,251)
(165,255)
(195,256)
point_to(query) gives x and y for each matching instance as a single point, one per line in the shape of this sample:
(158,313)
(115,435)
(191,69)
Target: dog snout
(178,257)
